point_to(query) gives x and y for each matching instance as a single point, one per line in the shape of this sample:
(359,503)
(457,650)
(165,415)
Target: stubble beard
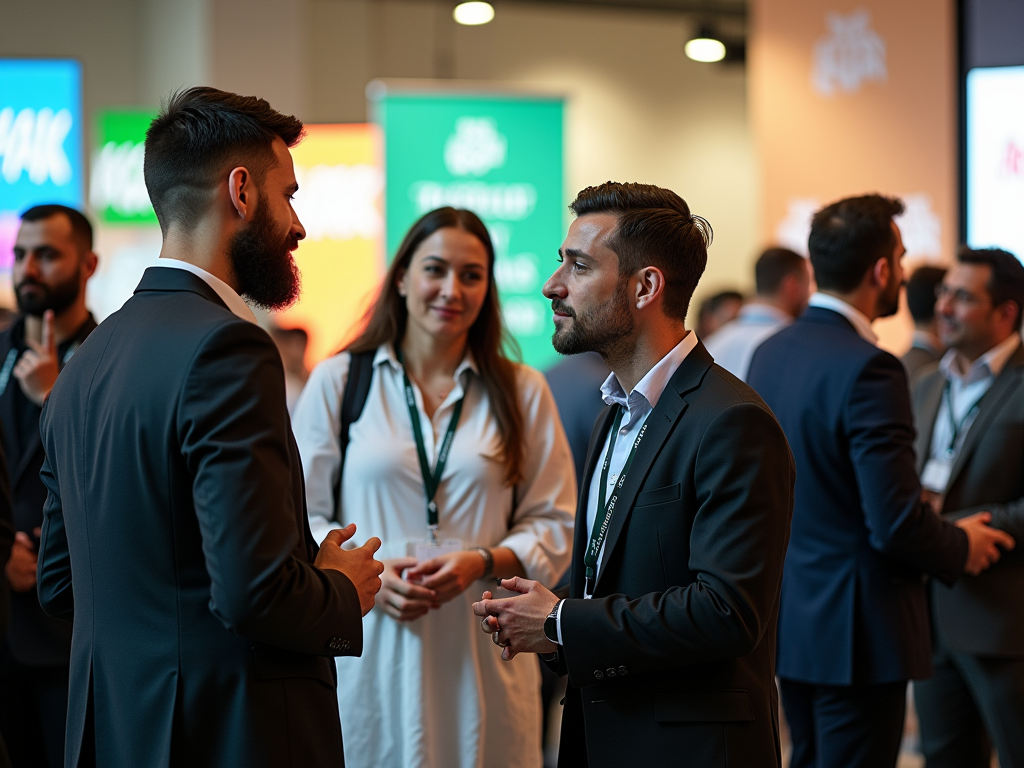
(600,330)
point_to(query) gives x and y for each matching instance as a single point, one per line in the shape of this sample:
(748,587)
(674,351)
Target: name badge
(428,550)
(935,476)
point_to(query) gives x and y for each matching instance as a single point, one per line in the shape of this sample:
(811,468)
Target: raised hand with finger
(37,368)
(357,564)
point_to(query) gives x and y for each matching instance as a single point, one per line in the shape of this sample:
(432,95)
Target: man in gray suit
(970,448)
(174,530)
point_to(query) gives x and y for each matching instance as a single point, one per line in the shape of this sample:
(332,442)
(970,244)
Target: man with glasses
(970,447)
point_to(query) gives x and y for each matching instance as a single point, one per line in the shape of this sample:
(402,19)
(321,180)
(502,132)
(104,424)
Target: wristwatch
(551,624)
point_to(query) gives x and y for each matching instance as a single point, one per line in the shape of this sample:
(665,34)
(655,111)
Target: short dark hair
(81,229)
(1006,283)
(201,133)
(921,292)
(655,227)
(774,266)
(849,236)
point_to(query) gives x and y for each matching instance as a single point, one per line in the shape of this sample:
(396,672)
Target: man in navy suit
(853,621)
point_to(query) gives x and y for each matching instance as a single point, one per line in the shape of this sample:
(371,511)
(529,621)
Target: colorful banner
(499,156)
(339,203)
(117,188)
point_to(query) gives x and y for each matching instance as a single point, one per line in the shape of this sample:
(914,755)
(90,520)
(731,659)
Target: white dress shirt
(860,321)
(967,385)
(227,294)
(733,344)
(637,405)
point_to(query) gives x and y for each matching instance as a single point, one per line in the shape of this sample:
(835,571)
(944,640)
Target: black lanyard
(953,426)
(431,480)
(599,532)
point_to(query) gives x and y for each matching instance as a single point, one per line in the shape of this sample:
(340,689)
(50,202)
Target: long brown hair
(386,320)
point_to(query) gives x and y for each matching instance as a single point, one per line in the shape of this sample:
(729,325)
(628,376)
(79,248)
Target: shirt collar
(386,353)
(757,312)
(989,364)
(652,385)
(860,321)
(227,294)
(924,340)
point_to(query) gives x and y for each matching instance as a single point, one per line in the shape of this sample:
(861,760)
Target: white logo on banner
(475,148)
(34,142)
(339,201)
(851,54)
(117,179)
(920,227)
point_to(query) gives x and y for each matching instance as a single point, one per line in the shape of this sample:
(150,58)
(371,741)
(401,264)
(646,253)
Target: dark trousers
(33,713)
(968,701)
(844,726)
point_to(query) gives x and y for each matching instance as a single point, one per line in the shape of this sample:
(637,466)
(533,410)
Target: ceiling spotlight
(473,14)
(705,46)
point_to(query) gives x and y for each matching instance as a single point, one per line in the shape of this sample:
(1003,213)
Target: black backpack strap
(357,387)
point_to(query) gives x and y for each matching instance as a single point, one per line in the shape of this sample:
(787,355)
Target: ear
(242,191)
(400,280)
(650,287)
(1007,311)
(89,264)
(881,272)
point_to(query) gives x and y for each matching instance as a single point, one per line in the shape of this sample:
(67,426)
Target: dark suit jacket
(854,607)
(35,639)
(917,361)
(673,659)
(983,614)
(175,533)
(6,542)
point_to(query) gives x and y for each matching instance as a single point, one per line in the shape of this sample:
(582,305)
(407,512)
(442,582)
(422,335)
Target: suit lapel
(597,438)
(927,412)
(660,423)
(1003,388)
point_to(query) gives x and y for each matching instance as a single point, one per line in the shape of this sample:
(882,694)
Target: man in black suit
(970,447)
(853,622)
(6,543)
(175,527)
(668,633)
(53,261)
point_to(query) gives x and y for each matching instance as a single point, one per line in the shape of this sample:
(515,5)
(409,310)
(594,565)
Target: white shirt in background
(734,343)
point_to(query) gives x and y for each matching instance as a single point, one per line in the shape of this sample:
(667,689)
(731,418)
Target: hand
(519,621)
(21,568)
(932,500)
(38,367)
(448,575)
(358,564)
(398,598)
(983,542)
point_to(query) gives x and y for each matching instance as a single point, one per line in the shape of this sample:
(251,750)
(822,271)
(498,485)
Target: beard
(889,300)
(262,262)
(598,330)
(56,297)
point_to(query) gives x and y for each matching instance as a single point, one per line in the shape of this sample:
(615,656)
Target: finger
(517,584)
(372,544)
(439,580)
(982,516)
(1005,540)
(49,342)
(426,567)
(22,538)
(339,536)
(37,531)
(402,587)
(507,654)
(400,564)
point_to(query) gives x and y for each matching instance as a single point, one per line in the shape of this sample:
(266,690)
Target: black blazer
(854,604)
(673,659)
(175,533)
(34,639)
(6,542)
(983,614)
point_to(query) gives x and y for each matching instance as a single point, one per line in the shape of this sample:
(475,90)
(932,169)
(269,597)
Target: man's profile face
(889,300)
(48,266)
(590,300)
(261,252)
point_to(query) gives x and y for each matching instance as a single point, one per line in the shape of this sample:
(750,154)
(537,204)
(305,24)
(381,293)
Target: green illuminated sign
(499,156)
(117,190)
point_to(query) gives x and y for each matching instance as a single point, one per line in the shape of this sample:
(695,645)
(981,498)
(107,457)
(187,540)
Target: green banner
(499,156)
(117,189)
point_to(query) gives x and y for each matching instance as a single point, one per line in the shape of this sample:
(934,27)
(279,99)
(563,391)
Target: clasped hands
(412,589)
(516,624)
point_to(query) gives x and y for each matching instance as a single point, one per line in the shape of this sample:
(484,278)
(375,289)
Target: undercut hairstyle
(198,137)
(921,292)
(81,228)
(1006,281)
(774,266)
(489,340)
(655,228)
(849,236)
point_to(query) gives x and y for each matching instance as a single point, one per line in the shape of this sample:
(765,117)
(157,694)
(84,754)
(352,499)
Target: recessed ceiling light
(473,14)
(705,46)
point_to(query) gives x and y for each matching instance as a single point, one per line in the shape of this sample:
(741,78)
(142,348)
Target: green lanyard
(599,532)
(955,428)
(431,480)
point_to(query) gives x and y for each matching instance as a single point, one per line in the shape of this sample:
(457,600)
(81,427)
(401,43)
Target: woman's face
(445,283)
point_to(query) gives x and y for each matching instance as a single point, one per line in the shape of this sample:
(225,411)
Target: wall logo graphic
(1013,160)
(476,147)
(850,55)
(32,142)
(117,180)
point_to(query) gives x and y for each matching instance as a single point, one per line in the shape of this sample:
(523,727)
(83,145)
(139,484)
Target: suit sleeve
(53,565)
(1007,517)
(233,429)
(879,425)
(6,535)
(744,480)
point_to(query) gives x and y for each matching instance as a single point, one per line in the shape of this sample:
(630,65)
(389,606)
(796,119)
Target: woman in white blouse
(429,689)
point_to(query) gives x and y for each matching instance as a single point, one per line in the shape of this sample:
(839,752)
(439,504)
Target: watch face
(551,627)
